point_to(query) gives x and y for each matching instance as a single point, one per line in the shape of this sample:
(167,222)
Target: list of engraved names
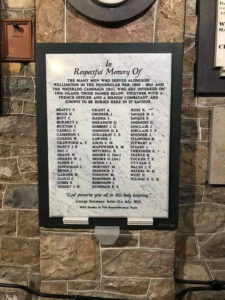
(108,134)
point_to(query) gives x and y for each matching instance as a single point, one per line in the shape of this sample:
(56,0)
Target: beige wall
(141,264)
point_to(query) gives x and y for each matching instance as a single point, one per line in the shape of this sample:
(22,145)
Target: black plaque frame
(177,61)
(208,81)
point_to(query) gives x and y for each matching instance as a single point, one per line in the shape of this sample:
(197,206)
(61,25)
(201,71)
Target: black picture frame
(208,81)
(176,49)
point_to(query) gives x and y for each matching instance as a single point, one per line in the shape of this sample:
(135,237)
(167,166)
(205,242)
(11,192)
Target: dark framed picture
(208,80)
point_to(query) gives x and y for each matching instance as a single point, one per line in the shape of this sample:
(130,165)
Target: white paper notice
(220,37)
(109,134)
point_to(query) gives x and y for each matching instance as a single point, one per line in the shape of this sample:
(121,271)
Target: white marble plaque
(220,37)
(217,147)
(108,135)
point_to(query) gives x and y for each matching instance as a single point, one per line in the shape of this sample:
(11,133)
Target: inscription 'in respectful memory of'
(108,134)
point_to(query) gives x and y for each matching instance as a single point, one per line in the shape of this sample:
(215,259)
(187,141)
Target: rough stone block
(68,256)
(217,265)
(217,153)
(194,157)
(162,289)
(107,295)
(34,281)
(19,130)
(191,25)
(16,106)
(35,269)
(30,14)
(215,195)
(203,238)
(191,194)
(214,248)
(9,172)
(138,263)
(189,55)
(188,97)
(18,87)
(202,218)
(187,81)
(21,196)
(211,101)
(5,106)
(13,274)
(9,69)
(204,135)
(24,150)
(186,220)
(211,296)
(29,108)
(157,239)
(189,129)
(192,270)
(125,285)
(204,123)
(80,29)
(170,21)
(189,111)
(125,240)
(28,225)
(5,151)
(11,14)
(2,187)
(83,285)
(31,69)
(22,4)
(20,251)
(191,7)
(8,294)
(54,287)
(186,246)
(219,275)
(7,223)
(28,164)
(50,21)
(30,177)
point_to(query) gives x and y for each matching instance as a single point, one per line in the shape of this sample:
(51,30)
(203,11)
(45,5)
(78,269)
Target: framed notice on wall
(210,68)
(108,134)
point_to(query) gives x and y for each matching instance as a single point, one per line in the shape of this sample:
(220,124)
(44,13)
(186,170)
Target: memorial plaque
(108,132)
(217,147)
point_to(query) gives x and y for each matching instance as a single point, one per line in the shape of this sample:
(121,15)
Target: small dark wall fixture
(17,40)
(208,80)
(111,12)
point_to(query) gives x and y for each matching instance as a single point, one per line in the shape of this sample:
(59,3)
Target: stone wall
(141,264)
(19,229)
(200,240)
